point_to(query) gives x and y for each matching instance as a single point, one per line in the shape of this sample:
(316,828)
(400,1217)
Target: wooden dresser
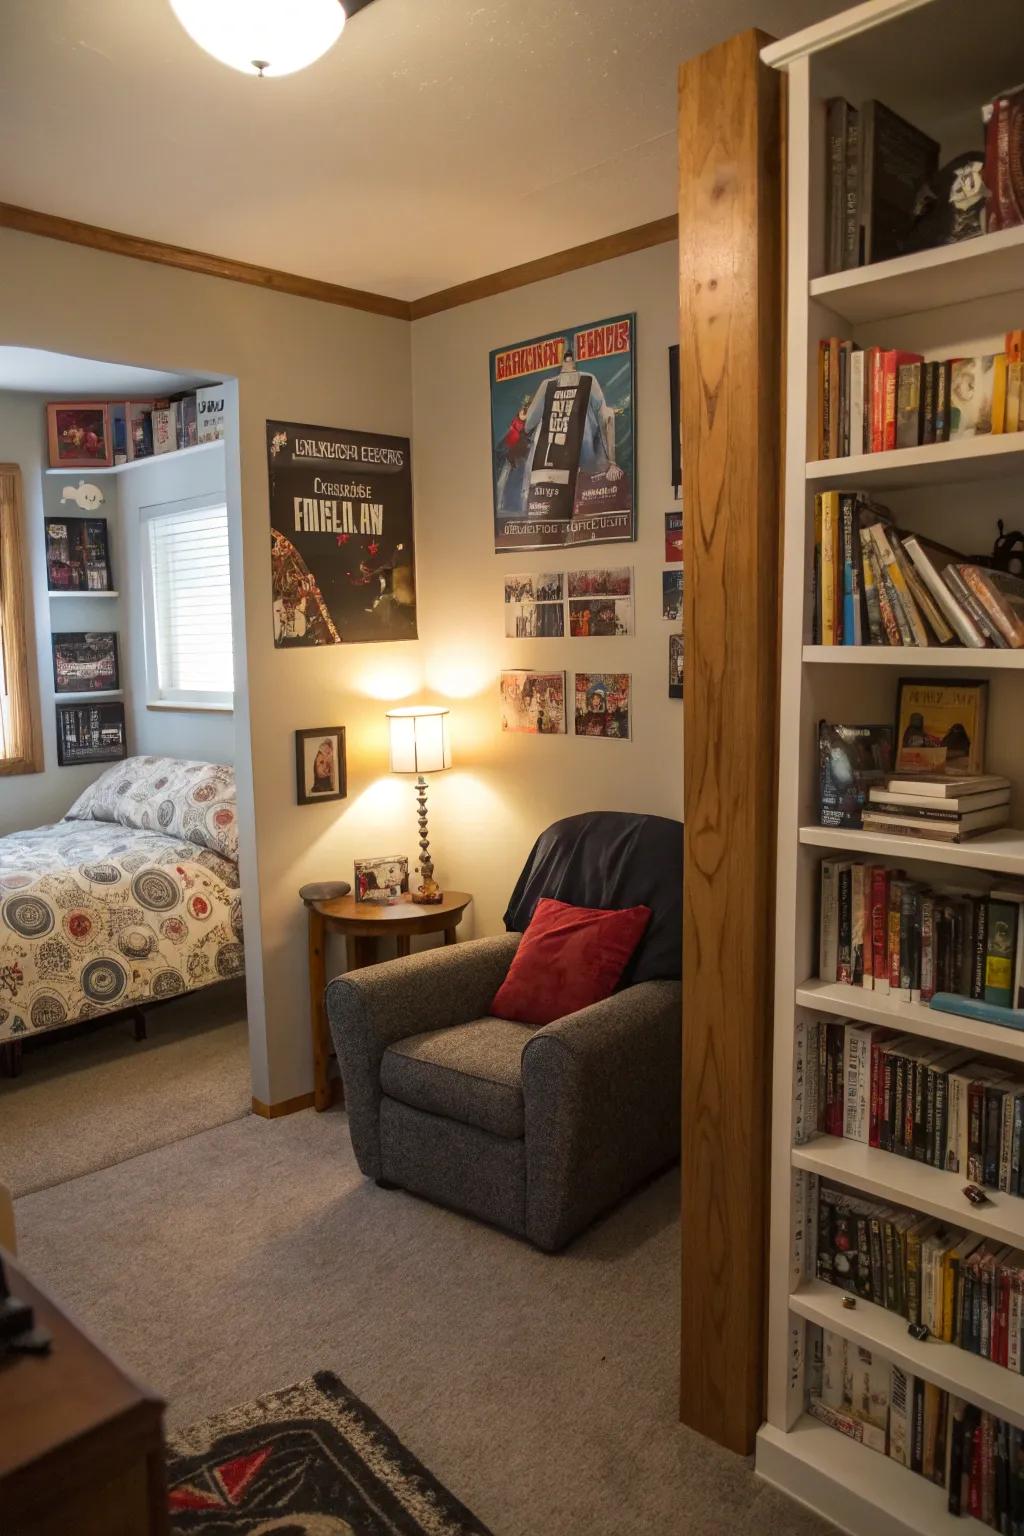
(81,1444)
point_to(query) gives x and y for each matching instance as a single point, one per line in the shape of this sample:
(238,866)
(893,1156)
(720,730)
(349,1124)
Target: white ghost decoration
(84,495)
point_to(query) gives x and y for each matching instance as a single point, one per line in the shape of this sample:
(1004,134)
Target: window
(188,605)
(20,742)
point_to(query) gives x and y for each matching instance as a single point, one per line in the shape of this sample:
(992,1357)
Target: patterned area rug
(311,1460)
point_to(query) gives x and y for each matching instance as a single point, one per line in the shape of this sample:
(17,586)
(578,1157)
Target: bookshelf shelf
(992,1387)
(951,274)
(930,656)
(88,471)
(891,1177)
(87,698)
(832,1474)
(83,594)
(969,458)
(847,1002)
(998,852)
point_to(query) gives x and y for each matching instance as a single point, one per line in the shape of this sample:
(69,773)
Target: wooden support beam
(731,365)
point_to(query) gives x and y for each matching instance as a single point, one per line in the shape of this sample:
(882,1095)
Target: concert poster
(341,528)
(563,450)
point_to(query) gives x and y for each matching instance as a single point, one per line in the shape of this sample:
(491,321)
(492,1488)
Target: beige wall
(507,788)
(302,361)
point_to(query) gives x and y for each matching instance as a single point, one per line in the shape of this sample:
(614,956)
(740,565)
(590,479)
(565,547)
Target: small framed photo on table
(320,765)
(79,435)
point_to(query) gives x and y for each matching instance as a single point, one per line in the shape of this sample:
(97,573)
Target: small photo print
(383,881)
(534,606)
(673,537)
(602,704)
(544,587)
(672,595)
(90,733)
(85,663)
(533,703)
(675,666)
(320,765)
(601,602)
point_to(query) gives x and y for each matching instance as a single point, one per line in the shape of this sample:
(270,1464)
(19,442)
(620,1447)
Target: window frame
(17,641)
(173,698)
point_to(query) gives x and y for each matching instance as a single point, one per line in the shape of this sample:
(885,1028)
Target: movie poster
(341,535)
(562,438)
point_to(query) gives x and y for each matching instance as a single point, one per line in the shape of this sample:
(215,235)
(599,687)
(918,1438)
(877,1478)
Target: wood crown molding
(51,226)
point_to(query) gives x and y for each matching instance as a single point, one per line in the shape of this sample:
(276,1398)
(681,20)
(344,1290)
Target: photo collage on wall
(534,703)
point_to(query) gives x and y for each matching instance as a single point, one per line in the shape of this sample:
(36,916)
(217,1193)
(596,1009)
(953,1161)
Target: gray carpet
(96,1096)
(540,1390)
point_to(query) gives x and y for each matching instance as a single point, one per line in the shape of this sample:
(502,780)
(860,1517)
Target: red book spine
(879,922)
(876,376)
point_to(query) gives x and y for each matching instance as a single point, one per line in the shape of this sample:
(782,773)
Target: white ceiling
(438,141)
(34,371)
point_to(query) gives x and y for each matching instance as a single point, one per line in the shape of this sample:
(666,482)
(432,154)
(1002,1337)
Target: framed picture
(90,733)
(320,765)
(382,882)
(77,555)
(674,413)
(85,663)
(79,434)
(941,726)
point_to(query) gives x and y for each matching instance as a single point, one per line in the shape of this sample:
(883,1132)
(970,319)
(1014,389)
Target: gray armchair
(536,1130)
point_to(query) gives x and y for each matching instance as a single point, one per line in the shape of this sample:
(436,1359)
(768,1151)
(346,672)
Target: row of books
(885,933)
(885,195)
(874,399)
(913,1097)
(141,429)
(965,1289)
(975,1456)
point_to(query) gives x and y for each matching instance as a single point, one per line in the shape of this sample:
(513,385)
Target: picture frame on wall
(85,662)
(320,769)
(78,433)
(90,733)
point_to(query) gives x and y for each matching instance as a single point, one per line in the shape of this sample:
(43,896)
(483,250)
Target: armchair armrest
(370,1009)
(601,1089)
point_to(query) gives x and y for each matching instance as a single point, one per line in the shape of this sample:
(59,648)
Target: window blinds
(191,620)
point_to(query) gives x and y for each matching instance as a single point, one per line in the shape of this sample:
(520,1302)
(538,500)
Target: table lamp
(418,739)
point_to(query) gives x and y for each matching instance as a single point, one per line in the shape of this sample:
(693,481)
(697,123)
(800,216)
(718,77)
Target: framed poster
(90,733)
(341,535)
(77,554)
(562,437)
(85,663)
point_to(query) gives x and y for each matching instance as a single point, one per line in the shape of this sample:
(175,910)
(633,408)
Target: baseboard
(292,1106)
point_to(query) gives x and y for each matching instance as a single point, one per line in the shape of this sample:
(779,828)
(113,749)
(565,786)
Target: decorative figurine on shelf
(1008,553)
(418,736)
(950,207)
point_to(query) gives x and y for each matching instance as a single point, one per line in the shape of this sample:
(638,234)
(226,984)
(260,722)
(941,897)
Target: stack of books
(930,805)
(876,585)
(911,941)
(914,1097)
(967,1290)
(873,399)
(975,1456)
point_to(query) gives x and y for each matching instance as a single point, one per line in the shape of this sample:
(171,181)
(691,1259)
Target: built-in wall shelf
(1000,852)
(887,1176)
(84,592)
(929,656)
(993,456)
(83,470)
(88,698)
(949,274)
(870,1007)
(858,1488)
(992,1387)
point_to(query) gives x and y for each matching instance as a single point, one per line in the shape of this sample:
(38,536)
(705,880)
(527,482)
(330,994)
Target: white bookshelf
(88,471)
(935,62)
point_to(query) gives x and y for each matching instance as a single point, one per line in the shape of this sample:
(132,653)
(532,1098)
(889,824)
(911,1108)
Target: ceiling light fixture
(264,37)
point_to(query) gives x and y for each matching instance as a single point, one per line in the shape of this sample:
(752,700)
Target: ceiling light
(262,37)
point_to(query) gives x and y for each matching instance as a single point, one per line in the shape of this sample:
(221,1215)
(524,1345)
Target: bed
(131,899)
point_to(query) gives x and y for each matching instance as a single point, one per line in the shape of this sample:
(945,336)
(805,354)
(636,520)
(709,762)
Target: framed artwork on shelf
(85,663)
(79,434)
(320,771)
(90,733)
(77,555)
(382,882)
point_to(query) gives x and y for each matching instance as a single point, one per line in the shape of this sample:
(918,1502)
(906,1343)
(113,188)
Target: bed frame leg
(139,1020)
(10,1058)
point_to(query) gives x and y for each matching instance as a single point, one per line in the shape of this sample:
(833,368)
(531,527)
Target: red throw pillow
(569,957)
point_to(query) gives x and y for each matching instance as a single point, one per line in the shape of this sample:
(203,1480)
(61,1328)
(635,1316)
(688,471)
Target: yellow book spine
(829,563)
(999,393)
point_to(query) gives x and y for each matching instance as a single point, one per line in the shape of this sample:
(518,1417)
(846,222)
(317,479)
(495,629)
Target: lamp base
(429,893)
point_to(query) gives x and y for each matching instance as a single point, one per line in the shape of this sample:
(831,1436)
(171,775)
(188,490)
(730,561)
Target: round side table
(363,922)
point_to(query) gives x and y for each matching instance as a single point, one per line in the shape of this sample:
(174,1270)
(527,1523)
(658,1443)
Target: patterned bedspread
(95,916)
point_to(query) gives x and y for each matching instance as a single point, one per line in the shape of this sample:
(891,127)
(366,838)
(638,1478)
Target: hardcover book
(852,758)
(941,726)
(896,161)
(972,381)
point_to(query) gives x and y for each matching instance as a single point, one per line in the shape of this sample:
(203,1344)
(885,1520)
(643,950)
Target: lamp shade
(418,738)
(265,37)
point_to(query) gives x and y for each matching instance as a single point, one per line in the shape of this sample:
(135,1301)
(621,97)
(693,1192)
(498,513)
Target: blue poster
(562,438)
